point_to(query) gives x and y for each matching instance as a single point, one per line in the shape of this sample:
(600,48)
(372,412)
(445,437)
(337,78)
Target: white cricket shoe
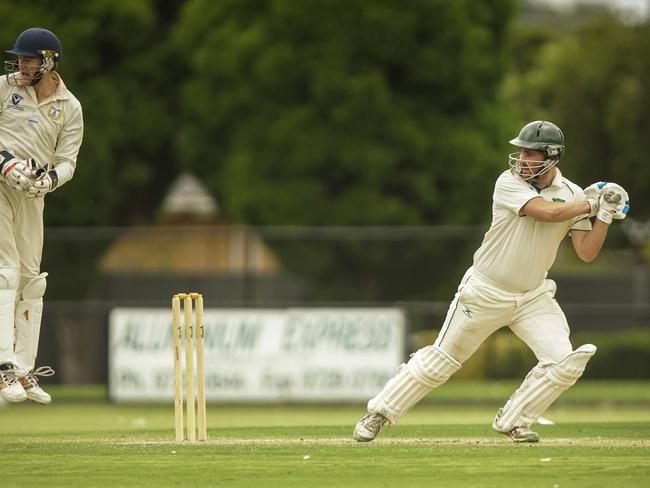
(34,392)
(518,434)
(521,434)
(10,388)
(368,427)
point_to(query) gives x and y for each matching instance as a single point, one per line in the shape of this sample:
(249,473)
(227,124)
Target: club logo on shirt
(54,113)
(15,100)
(558,199)
(467,312)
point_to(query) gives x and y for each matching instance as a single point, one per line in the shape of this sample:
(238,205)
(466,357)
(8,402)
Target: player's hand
(592,195)
(44,184)
(18,173)
(614,203)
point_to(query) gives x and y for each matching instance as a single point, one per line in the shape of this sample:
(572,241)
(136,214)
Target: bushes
(621,355)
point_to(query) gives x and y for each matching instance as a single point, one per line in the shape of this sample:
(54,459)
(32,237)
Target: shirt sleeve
(4,91)
(581,222)
(68,144)
(512,193)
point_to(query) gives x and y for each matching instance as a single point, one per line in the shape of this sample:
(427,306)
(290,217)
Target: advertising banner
(261,355)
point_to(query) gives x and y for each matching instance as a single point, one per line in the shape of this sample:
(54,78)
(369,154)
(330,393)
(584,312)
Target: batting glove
(614,203)
(44,184)
(17,172)
(592,195)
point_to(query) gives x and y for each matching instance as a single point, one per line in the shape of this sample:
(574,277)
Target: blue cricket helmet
(35,41)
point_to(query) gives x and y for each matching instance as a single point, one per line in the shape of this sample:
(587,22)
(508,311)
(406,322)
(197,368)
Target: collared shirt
(517,250)
(50,132)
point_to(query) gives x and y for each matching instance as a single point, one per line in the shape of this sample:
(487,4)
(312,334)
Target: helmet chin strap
(549,164)
(36,78)
(535,177)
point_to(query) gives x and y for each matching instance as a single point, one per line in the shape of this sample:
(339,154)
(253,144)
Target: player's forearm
(555,211)
(590,246)
(571,210)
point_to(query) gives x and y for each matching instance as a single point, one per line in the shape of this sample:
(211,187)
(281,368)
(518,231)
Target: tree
(362,112)
(117,62)
(335,112)
(595,85)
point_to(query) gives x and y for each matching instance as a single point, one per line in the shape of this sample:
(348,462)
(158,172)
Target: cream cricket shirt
(517,250)
(50,132)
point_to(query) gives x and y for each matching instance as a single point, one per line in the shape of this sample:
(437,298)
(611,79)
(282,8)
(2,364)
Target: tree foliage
(595,84)
(115,62)
(363,112)
(337,112)
(311,112)
(333,112)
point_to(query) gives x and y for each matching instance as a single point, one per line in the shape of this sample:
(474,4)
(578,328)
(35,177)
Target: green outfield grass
(600,439)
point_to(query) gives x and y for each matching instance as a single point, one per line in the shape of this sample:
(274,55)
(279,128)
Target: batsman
(41,129)
(534,207)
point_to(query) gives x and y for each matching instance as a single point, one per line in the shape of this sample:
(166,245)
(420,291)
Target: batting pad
(541,388)
(428,368)
(29,311)
(9,278)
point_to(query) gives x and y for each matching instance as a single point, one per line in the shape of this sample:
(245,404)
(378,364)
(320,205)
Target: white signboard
(269,355)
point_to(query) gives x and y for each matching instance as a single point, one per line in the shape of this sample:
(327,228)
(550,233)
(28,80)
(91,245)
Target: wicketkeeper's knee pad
(542,386)
(429,367)
(29,312)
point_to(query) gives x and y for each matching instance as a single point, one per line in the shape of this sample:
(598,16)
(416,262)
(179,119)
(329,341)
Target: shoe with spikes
(522,434)
(30,383)
(517,434)
(368,427)
(10,388)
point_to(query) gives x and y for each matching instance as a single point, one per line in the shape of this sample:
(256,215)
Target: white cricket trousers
(21,245)
(480,307)
(21,232)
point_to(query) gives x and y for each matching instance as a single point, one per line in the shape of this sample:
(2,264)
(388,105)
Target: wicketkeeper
(534,208)
(41,128)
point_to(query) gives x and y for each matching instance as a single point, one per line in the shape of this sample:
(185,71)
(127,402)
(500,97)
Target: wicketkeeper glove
(18,173)
(614,203)
(44,184)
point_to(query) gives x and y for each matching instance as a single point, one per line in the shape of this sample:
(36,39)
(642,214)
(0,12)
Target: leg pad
(9,280)
(542,386)
(29,312)
(428,368)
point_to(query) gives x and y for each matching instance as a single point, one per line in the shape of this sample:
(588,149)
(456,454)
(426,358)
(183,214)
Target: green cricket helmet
(543,136)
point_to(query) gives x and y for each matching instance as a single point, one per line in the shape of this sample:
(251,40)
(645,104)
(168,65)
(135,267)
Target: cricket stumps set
(190,334)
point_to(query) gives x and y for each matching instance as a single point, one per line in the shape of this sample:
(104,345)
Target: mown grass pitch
(600,439)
